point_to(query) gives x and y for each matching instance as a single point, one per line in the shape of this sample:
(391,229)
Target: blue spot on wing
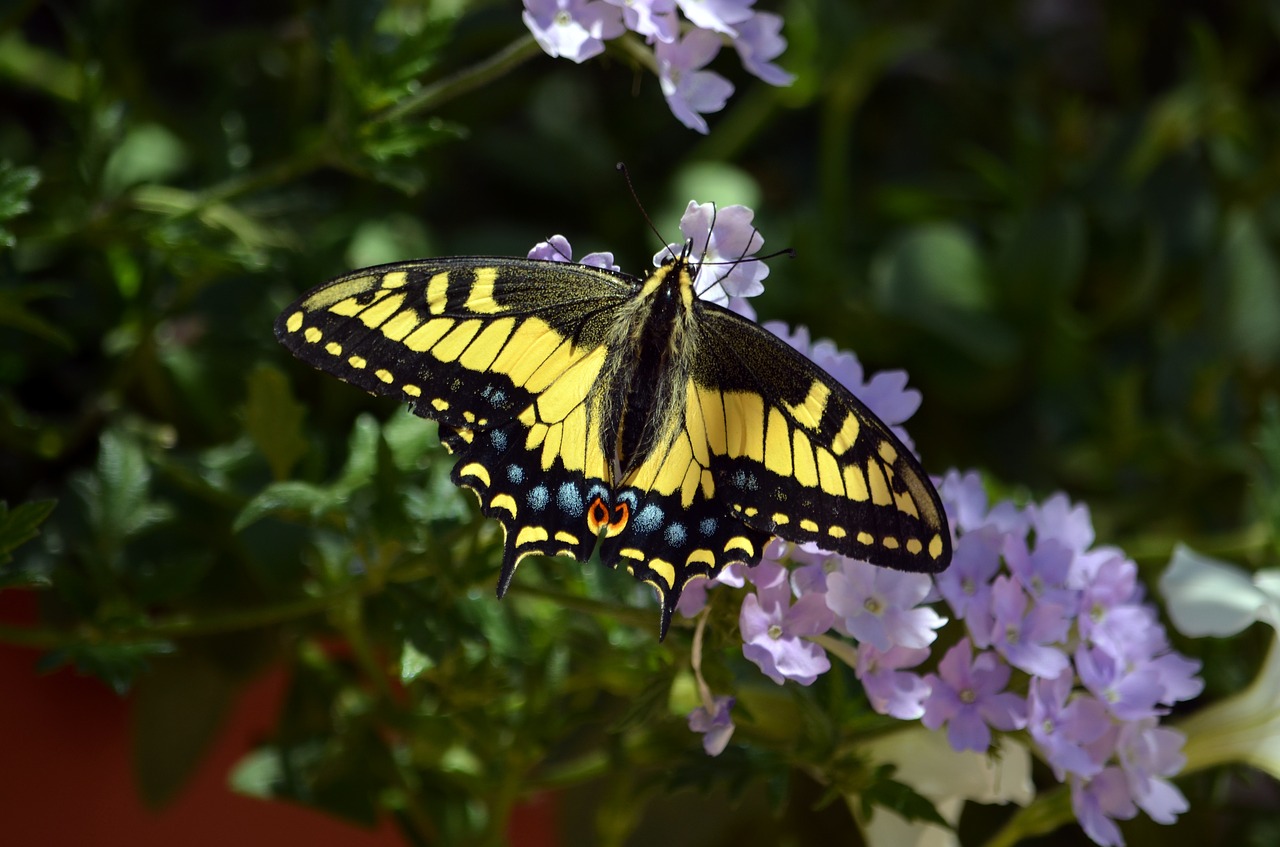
(538,498)
(647,519)
(515,474)
(570,500)
(675,535)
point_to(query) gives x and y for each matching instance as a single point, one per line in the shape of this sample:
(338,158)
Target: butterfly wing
(505,354)
(807,460)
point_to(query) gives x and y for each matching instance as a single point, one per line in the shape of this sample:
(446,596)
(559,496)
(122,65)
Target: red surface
(66,775)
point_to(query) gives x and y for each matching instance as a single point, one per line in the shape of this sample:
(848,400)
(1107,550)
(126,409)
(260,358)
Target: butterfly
(586,406)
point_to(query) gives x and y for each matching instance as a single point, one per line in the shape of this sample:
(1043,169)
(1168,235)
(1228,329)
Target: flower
(557,249)
(690,91)
(716,15)
(760,41)
(725,241)
(891,690)
(880,606)
(968,696)
(1064,727)
(715,725)
(654,19)
(1023,632)
(577,29)
(1208,597)
(573,29)
(1100,801)
(774,630)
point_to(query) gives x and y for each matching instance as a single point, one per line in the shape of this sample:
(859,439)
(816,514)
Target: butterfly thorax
(653,342)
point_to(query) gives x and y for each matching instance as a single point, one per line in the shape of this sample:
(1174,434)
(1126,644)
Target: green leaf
(273,419)
(259,774)
(1044,257)
(289,497)
(899,797)
(1250,290)
(177,711)
(20,525)
(148,153)
(16,183)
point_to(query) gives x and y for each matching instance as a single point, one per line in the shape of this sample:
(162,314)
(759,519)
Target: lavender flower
(1036,597)
(968,697)
(689,90)
(715,725)
(573,29)
(557,249)
(577,30)
(880,606)
(774,630)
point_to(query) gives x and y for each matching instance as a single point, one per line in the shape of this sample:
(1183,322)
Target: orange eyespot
(621,514)
(597,515)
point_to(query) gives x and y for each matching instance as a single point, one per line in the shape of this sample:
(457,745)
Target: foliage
(1060,218)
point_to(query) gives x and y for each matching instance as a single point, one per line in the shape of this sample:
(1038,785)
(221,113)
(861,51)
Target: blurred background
(1060,217)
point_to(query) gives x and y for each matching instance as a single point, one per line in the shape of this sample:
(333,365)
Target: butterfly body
(585,405)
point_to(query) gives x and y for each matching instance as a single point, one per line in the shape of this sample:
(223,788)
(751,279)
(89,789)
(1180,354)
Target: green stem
(504,61)
(1046,813)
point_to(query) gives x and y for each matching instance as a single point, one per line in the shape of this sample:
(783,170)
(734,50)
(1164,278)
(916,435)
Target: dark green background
(1060,217)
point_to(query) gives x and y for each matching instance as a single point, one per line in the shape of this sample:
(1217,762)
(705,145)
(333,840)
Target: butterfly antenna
(626,174)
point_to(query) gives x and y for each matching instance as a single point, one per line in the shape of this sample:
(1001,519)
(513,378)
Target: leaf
(290,496)
(898,797)
(20,525)
(273,419)
(148,153)
(178,710)
(15,184)
(1250,288)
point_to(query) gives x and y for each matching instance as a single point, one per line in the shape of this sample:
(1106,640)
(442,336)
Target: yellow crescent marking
(847,436)
(809,412)
(566,537)
(504,501)
(701,556)
(477,470)
(665,570)
(531,535)
(632,553)
(740,543)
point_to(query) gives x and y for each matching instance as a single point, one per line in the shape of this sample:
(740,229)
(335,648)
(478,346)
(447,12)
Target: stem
(509,58)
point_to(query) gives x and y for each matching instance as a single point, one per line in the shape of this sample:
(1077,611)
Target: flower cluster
(577,30)
(1036,598)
